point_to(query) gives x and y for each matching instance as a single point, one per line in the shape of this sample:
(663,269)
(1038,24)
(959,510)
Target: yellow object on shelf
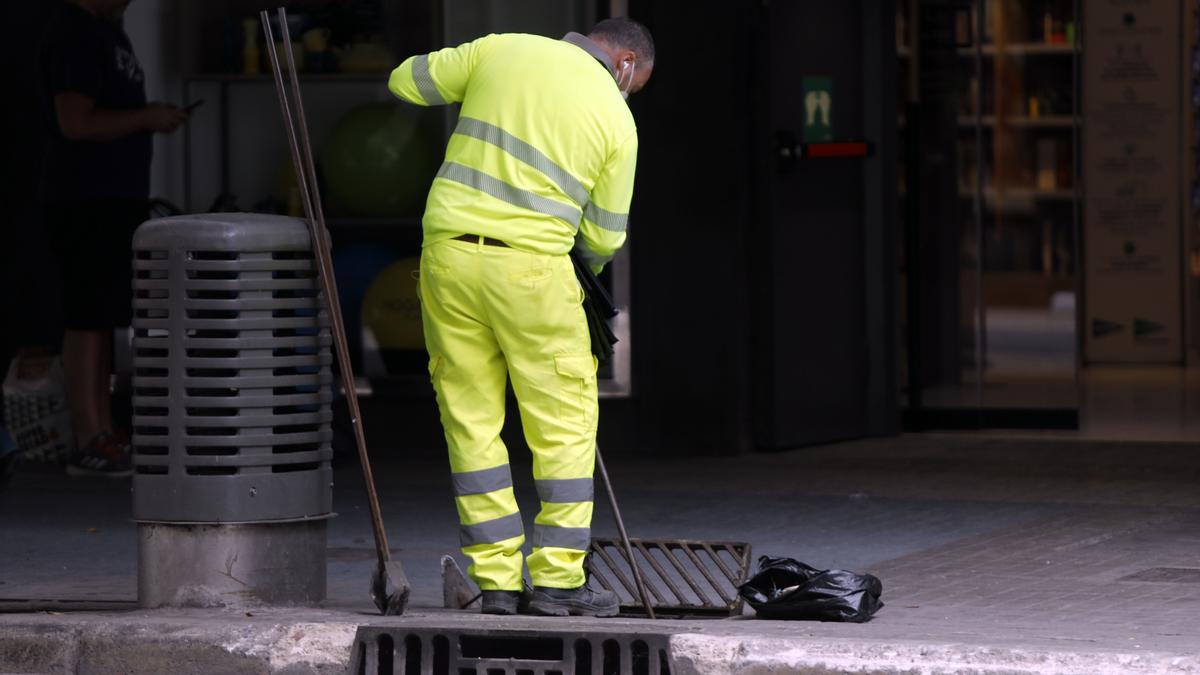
(316,40)
(390,308)
(1034,107)
(1047,164)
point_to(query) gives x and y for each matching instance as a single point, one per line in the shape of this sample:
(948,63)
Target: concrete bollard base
(231,565)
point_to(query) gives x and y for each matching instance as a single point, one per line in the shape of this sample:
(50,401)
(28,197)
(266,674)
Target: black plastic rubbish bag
(784,588)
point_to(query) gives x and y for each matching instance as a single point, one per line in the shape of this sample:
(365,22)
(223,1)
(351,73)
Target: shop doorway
(989,165)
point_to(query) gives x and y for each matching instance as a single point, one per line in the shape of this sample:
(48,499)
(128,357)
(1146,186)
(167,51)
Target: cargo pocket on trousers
(577,388)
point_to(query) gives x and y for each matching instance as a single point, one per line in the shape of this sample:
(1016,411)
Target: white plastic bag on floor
(35,407)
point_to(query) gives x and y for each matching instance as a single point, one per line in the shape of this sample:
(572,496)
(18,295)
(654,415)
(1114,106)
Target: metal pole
(612,500)
(310,196)
(312,205)
(980,243)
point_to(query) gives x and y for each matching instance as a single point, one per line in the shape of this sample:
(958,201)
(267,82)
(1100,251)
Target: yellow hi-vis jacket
(544,152)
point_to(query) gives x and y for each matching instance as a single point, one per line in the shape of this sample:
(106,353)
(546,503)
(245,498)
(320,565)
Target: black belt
(475,238)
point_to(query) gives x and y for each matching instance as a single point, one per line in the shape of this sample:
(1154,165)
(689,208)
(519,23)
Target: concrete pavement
(997,555)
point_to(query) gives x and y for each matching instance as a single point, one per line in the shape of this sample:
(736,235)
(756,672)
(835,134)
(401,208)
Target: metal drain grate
(683,578)
(397,651)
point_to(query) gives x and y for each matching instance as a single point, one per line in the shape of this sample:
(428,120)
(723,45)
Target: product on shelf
(378,160)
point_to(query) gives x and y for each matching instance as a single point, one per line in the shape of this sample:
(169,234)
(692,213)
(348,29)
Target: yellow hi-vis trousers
(492,313)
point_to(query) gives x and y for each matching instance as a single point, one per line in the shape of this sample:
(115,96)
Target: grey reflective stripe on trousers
(424,81)
(491,531)
(490,133)
(613,222)
(482,481)
(574,538)
(565,490)
(507,193)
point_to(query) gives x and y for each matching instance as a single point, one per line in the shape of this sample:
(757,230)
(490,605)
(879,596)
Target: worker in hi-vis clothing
(541,162)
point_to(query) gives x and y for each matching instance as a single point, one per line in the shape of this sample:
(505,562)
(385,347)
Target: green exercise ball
(379,160)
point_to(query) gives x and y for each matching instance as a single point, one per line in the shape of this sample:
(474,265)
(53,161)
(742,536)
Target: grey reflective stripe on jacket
(614,222)
(519,149)
(424,81)
(497,188)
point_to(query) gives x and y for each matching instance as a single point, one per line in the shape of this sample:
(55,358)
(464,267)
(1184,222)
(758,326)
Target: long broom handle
(306,177)
(612,501)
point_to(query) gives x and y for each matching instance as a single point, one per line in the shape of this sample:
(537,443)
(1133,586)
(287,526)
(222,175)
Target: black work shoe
(500,602)
(582,601)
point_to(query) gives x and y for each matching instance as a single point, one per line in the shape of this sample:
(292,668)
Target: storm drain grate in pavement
(683,578)
(1166,575)
(382,650)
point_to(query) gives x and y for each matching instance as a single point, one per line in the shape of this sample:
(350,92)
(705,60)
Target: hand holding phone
(161,117)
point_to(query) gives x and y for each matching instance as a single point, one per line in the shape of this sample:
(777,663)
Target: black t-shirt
(93,56)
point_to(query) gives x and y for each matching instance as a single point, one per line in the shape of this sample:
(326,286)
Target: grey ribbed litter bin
(232,388)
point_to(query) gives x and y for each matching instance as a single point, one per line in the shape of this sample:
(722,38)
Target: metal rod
(1077,205)
(613,567)
(305,145)
(310,196)
(977,203)
(612,500)
(333,298)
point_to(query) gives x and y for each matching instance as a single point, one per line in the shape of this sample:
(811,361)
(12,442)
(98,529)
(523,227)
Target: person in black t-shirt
(96,187)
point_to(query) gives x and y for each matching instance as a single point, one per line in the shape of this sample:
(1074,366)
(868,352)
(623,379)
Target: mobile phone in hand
(193,105)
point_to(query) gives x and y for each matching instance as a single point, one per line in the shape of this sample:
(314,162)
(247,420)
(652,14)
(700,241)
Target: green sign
(818,109)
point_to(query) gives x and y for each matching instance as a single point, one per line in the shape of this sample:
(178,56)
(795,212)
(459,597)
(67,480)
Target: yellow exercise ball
(391,308)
